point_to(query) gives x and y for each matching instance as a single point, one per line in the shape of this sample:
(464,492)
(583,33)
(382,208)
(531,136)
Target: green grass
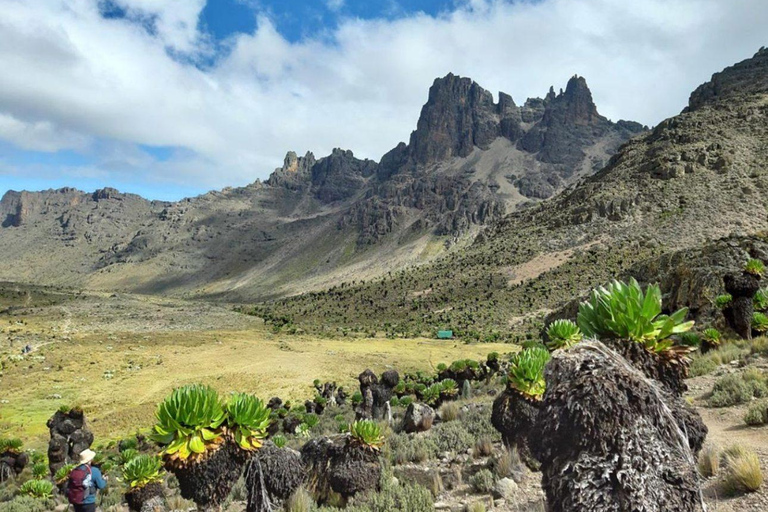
(147,366)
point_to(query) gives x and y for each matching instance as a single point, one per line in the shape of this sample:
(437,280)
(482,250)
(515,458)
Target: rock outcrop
(418,418)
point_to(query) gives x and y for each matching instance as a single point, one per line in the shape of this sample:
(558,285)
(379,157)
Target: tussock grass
(743,472)
(300,501)
(709,461)
(483,447)
(449,411)
(704,364)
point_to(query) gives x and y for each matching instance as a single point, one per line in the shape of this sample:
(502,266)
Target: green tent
(444,335)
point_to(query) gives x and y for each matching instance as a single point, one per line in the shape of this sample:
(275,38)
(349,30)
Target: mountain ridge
(315,221)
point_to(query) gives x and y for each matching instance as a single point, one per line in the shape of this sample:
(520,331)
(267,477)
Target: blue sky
(171,98)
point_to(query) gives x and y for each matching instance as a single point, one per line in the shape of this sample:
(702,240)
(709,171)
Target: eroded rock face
(607,439)
(746,77)
(69,436)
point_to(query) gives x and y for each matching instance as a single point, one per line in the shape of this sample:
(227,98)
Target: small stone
(505,488)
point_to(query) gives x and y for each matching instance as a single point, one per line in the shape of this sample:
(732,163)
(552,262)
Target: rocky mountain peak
(295,172)
(458,116)
(749,76)
(578,104)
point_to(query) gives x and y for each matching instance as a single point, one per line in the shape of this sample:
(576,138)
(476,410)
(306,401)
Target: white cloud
(73,79)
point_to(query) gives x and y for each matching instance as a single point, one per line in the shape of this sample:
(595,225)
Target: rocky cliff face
(469,162)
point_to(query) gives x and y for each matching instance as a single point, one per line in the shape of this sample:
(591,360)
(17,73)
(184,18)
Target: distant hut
(445,335)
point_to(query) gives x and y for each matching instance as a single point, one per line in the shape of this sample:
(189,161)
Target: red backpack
(79,485)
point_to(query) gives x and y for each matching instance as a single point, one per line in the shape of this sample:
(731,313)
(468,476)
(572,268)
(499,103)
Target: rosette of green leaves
(125,456)
(563,334)
(760,300)
(189,422)
(526,372)
(357,398)
(63,473)
(143,470)
(248,420)
(755,267)
(759,322)
(41,489)
(623,311)
(449,388)
(431,394)
(11,445)
(39,470)
(367,434)
(711,336)
(723,301)
(279,440)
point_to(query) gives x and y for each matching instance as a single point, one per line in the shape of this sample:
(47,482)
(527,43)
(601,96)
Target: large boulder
(418,418)
(608,440)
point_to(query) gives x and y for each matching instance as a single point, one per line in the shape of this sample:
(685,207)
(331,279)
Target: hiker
(84,482)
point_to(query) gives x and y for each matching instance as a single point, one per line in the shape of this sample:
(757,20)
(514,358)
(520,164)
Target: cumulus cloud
(74,79)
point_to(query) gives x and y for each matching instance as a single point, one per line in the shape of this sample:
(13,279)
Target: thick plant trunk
(515,416)
(608,440)
(208,483)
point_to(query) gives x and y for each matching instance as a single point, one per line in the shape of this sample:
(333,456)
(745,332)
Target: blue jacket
(96,482)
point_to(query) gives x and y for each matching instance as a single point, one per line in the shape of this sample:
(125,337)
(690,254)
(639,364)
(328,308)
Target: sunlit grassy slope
(144,367)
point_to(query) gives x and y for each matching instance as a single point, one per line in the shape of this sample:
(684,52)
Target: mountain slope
(316,222)
(698,176)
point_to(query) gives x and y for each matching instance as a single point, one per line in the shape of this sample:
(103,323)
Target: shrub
(394,497)
(452,437)
(404,448)
(143,470)
(526,372)
(709,461)
(706,363)
(755,267)
(738,389)
(743,473)
(757,414)
(563,334)
(449,411)
(483,481)
(367,434)
(624,311)
(759,346)
(724,300)
(189,422)
(40,489)
(26,504)
(248,419)
(759,322)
